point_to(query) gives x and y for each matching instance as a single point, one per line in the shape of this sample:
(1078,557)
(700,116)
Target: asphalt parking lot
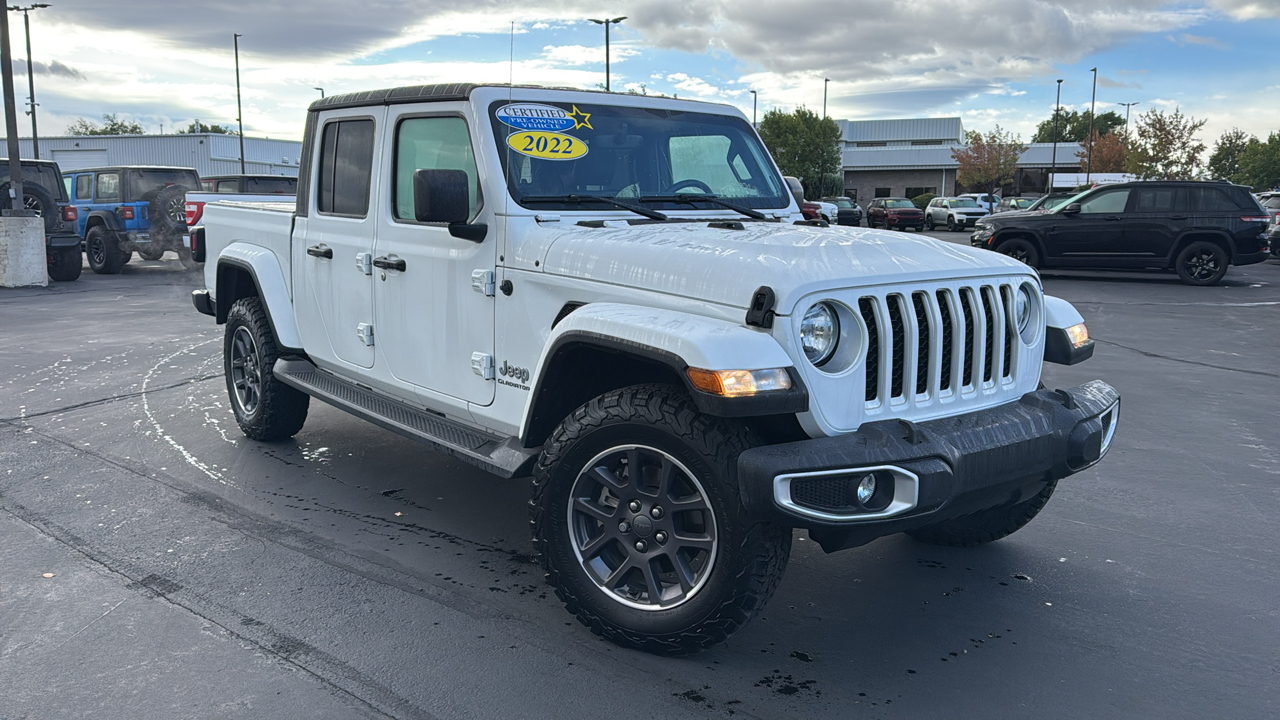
(156,563)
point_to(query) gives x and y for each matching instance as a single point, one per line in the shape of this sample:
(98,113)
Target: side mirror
(443,196)
(1072,209)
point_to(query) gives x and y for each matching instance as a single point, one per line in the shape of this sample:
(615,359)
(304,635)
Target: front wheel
(986,526)
(637,517)
(1201,263)
(928,223)
(264,407)
(1021,250)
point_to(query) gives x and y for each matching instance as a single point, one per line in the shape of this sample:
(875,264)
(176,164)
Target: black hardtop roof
(427,93)
(128,167)
(32,161)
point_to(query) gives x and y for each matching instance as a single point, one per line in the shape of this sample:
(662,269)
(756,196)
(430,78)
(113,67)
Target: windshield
(844,203)
(963,203)
(899,204)
(144,182)
(558,154)
(44,175)
(271,186)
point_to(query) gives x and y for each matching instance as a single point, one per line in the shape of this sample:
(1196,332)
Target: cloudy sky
(162,63)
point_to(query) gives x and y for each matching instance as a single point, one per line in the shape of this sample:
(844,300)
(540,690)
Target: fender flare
(263,267)
(1183,240)
(108,218)
(677,340)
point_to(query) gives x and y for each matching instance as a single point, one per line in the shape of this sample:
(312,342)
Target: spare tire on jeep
(36,197)
(167,208)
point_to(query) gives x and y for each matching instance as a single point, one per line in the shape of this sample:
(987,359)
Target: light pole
(1126,116)
(14,204)
(321,92)
(235,39)
(1093,104)
(31,74)
(825,82)
(1057,112)
(606,23)
(754,97)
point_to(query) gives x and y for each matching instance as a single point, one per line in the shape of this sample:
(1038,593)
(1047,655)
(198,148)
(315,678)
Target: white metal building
(210,154)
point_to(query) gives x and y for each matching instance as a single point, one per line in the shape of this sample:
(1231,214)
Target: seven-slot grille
(922,343)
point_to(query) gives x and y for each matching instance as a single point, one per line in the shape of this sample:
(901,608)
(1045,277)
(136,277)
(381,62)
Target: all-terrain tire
(65,263)
(106,257)
(264,408)
(748,559)
(1201,263)
(38,198)
(986,526)
(167,210)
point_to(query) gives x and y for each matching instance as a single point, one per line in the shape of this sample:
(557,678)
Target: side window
(435,143)
(84,187)
(1154,200)
(345,168)
(1209,199)
(1107,202)
(206,185)
(227,186)
(108,187)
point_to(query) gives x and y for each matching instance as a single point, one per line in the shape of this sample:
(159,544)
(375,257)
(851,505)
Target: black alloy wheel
(1021,250)
(642,527)
(245,378)
(1201,263)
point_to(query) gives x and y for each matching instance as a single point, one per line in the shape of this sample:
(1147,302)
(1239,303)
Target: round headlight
(819,333)
(1022,307)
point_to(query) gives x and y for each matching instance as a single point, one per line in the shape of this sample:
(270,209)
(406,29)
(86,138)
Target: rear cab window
(271,186)
(345,168)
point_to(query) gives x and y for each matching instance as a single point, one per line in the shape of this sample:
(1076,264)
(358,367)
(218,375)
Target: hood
(695,261)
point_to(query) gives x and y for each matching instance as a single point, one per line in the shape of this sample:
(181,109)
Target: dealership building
(209,153)
(910,157)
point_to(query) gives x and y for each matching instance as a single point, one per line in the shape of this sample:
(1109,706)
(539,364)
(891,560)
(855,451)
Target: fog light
(866,489)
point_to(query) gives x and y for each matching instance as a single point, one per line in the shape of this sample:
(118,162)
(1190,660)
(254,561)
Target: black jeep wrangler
(43,192)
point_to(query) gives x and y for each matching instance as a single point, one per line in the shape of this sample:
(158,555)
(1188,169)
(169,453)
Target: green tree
(1228,151)
(1165,146)
(989,160)
(1074,126)
(111,125)
(198,127)
(1260,163)
(1108,153)
(806,146)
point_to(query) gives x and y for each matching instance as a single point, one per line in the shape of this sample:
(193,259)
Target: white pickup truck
(617,295)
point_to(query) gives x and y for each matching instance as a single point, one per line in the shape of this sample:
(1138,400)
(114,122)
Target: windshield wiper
(713,199)
(579,199)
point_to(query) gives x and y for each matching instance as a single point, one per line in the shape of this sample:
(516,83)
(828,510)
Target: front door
(333,288)
(437,313)
(1096,232)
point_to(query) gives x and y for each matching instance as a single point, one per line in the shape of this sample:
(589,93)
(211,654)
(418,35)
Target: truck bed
(252,226)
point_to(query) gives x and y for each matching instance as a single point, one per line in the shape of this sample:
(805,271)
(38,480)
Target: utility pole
(825,82)
(1057,112)
(31,74)
(10,119)
(235,38)
(754,97)
(321,92)
(606,23)
(1093,104)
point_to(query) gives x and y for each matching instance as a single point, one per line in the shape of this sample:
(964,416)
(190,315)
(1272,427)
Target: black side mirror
(443,196)
(1072,209)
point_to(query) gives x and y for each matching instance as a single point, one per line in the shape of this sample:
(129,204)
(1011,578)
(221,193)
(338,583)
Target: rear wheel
(65,263)
(1020,249)
(264,407)
(103,248)
(1201,263)
(637,517)
(150,252)
(986,526)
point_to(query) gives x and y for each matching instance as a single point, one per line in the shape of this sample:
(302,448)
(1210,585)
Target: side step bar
(501,456)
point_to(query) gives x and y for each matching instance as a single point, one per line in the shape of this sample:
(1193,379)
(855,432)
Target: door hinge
(364,331)
(482,365)
(482,282)
(364,261)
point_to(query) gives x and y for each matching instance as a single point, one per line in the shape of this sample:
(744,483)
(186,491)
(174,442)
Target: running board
(501,456)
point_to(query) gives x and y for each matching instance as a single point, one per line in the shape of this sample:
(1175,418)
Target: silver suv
(957,213)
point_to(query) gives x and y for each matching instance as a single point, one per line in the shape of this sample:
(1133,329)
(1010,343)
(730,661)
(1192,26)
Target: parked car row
(1197,229)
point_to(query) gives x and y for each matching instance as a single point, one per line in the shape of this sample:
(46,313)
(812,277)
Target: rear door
(436,313)
(332,248)
(1095,235)
(1158,215)
(81,189)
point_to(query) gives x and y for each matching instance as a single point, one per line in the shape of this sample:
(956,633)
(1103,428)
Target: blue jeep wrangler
(43,192)
(122,210)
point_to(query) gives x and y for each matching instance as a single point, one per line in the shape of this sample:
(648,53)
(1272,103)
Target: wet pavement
(352,573)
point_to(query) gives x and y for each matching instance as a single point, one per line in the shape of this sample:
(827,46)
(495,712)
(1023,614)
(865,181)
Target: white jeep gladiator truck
(617,296)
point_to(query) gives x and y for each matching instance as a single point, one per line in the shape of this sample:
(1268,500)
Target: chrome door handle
(387,263)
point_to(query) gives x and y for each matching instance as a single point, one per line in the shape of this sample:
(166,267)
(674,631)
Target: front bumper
(937,470)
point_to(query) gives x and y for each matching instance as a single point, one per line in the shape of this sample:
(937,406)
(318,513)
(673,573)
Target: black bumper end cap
(1059,350)
(204,303)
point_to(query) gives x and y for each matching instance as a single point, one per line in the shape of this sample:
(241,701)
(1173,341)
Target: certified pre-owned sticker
(547,145)
(531,116)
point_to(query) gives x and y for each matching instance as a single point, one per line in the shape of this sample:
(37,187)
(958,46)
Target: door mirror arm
(1072,209)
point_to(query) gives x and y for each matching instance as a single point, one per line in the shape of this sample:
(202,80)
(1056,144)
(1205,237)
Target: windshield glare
(964,203)
(552,150)
(899,204)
